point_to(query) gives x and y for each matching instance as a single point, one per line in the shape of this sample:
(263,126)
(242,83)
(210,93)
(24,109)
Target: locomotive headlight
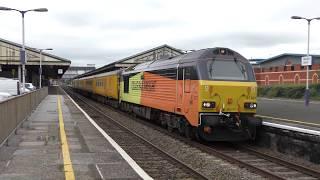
(206,104)
(250,105)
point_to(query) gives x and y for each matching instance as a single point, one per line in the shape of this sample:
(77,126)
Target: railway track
(260,163)
(299,168)
(156,162)
(265,165)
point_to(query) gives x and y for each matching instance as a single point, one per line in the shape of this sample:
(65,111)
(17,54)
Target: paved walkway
(39,150)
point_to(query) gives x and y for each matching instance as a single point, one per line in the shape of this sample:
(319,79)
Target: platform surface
(290,112)
(36,152)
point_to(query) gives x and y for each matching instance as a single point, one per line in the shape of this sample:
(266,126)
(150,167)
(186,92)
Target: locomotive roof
(210,53)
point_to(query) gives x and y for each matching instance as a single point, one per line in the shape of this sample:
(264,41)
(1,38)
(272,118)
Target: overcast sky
(102,31)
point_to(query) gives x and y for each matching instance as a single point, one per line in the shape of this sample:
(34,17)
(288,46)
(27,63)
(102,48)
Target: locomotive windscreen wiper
(240,66)
(211,68)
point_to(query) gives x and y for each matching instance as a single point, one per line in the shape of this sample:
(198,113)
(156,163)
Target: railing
(15,110)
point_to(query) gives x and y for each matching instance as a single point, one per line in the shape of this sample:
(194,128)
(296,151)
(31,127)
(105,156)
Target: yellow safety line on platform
(289,120)
(67,164)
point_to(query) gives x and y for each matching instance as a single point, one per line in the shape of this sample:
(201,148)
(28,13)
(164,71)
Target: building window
(315,78)
(276,69)
(292,68)
(281,79)
(297,79)
(270,68)
(266,80)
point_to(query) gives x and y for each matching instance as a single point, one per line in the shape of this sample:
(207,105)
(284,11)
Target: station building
(53,67)
(286,69)
(74,71)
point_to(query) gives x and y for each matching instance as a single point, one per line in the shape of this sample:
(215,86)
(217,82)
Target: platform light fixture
(40,60)
(307,92)
(23,51)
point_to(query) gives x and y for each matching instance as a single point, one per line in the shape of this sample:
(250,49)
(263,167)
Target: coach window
(126,84)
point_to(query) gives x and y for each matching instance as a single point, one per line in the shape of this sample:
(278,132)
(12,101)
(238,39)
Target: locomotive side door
(183,88)
(186,88)
(189,92)
(179,90)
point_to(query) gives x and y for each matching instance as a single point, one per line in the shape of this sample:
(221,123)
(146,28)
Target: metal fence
(15,110)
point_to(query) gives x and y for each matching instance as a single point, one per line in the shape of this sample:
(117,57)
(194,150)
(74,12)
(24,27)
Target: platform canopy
(53,67)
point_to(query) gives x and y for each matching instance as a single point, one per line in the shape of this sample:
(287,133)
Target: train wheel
(197,135)
(190,132)
(182,127)
(253,133)
(170,129)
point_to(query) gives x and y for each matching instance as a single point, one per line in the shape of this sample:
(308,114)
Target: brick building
(285,69)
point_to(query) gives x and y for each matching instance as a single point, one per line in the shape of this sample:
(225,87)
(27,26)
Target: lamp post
(23,51)
(40,69)
(307,92)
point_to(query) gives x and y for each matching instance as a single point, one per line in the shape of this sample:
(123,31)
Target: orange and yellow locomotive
(210,93)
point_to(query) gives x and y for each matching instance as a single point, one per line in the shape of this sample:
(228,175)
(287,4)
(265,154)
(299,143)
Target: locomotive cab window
(229,70)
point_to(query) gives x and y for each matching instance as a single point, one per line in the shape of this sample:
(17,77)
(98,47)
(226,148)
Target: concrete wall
(15,110)
(295,144)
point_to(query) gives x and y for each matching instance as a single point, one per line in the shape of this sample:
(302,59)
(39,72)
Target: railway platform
(290,114)
(58,141)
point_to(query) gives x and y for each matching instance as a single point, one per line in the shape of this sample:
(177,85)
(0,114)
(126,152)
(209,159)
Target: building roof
(34,50)
(147,51)
(283,55)
(122,62)
(74,68)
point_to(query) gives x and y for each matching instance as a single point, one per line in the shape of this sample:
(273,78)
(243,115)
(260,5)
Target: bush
(289,91)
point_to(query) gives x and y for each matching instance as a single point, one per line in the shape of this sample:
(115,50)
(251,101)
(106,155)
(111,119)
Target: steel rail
(297,167)
(207,148)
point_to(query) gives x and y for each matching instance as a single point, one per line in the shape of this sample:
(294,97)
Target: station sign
(306,60)
(23,59)
(60,71)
